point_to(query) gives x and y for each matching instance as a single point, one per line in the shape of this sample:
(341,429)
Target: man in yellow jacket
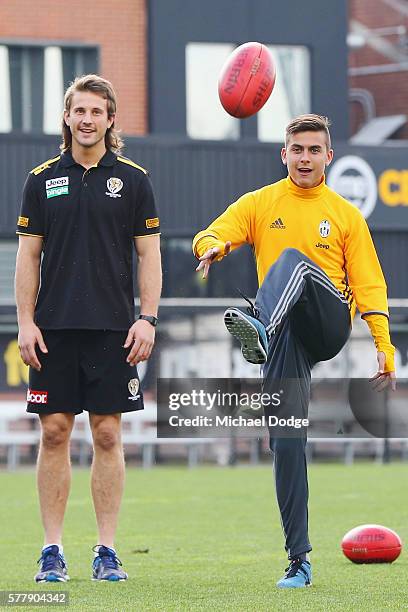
(316,263)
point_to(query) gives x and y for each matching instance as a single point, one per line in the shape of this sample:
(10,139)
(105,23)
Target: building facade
(45,44)
(378,62)
(164,57)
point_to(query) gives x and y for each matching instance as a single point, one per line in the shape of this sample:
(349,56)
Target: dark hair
(309,123)
(100,86)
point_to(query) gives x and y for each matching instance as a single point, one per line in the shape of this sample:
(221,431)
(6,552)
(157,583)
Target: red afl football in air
(371,544)
(247,80)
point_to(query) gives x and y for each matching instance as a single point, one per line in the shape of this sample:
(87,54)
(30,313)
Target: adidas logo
(278,224)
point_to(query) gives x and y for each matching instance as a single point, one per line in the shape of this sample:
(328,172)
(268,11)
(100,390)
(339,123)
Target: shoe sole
(305,586)
(108,580)
(52,579)
(242,329)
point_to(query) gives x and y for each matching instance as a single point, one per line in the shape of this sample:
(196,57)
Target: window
(5,101)
(206,119)
(291,94)
(32,83)
(8,250)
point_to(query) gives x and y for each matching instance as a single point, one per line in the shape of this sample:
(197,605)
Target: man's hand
(207,259)
(142,335)
(382,379)
(29,335)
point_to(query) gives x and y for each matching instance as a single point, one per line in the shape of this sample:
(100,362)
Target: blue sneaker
(53,566)
(298,575)
(250,332)
(106,565)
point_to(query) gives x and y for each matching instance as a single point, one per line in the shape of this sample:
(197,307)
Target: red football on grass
(371,544)
(246,80)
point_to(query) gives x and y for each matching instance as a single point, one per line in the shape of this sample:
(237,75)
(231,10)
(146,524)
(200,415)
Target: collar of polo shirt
(67,160)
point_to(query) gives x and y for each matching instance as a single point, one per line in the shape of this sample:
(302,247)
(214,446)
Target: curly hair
(102,87)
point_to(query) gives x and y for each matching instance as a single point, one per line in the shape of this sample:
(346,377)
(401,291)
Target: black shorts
(84,370)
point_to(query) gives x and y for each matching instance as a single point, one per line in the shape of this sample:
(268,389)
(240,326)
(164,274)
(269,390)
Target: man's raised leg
(307,320)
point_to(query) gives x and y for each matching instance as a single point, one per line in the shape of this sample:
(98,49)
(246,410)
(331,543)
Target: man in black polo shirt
(81,214)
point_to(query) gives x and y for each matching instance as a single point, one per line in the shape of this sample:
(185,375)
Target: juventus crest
(324,228)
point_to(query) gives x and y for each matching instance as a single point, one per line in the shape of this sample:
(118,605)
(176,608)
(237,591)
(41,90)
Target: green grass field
(214,540)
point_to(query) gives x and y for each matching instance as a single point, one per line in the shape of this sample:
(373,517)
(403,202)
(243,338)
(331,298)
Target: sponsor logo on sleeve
(114,185)
(150,223)
(37,397)
(133,386)
(57,186)
(23,221)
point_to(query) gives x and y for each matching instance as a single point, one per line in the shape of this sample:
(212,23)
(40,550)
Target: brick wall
(390,90)
(119,28)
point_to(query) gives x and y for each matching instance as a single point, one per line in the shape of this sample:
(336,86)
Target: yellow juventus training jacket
(322,225)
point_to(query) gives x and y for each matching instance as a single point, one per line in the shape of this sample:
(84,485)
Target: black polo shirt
(88,220)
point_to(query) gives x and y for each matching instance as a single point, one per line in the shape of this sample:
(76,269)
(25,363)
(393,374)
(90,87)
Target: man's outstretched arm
(226,233)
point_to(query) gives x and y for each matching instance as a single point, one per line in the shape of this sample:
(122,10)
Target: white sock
(60,547)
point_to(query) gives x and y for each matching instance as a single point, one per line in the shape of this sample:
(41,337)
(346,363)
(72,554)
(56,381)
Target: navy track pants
(308,320)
